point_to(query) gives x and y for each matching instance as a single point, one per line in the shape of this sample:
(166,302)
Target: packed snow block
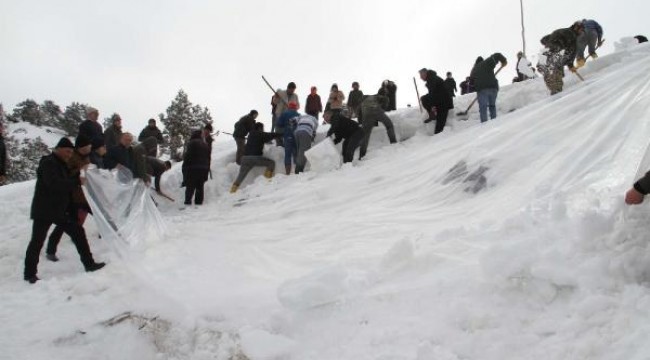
(324,156)
(319,288)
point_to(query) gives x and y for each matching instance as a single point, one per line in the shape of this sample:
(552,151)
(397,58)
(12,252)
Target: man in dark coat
(313,104)
(151,130)
(131,157)
(242,127)
(113,133)
(51,205)
(438,101)
(155,168)
(196,166)
(254,155)
(450,84)
(90,128)
(560,52)
(487,85)
(345,129)
(354,100)
(3,157)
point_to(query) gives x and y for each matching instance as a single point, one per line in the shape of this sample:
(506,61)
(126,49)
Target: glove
(573,69)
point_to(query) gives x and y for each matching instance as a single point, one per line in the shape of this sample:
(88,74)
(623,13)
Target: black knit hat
(97,143)
(82,141)
(64,143)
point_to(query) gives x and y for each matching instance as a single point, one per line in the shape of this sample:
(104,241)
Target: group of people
(296,132)
(58,197)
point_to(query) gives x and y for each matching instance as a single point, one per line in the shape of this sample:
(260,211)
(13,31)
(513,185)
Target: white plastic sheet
(324,156)
(123,210)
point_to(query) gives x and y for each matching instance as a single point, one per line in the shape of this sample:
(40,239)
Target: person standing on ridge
(487,85)
(114,132)
(335,100)
(354,100)
(313,104)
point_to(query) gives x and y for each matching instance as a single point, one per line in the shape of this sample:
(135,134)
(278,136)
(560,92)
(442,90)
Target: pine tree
(24,158)
(28,111)
(179,121)
(74,115)
(52,114)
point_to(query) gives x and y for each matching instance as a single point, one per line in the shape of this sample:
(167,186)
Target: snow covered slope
(504,240)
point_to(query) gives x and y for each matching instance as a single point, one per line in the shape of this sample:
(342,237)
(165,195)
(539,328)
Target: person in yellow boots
(254,155)
(591,38)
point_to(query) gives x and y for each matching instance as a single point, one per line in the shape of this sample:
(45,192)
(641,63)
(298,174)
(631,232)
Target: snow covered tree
(28,111)
(24,158)
(181,117)
(51,114)
(74,115)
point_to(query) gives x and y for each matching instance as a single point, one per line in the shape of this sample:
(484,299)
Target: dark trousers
(39,233)
(241,146)
(194,181)
(56,235)
(441,120)
(351,144)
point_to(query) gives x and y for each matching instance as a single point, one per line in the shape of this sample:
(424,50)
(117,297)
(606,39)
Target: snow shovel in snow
(418,93)
(463,113)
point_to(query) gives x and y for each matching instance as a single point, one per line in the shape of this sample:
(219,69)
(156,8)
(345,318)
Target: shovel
(463,113)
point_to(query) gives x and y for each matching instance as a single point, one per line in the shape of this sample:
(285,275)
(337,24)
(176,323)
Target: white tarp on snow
(123,210)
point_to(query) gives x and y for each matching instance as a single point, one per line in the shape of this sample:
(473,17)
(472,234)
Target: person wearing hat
(91,128)
(560,51)
(51,205)
(287,124)
(99,151)
(79,160)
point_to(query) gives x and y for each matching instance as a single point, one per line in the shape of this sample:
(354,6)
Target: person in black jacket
(438,101)
(242,127)
(253,155)
(90,128)
(560,52)
(389,89)
(196,166)
(151,130)
(3,157)
(345,129)
(450,84)
(51,205)
(487,85)
(156,168)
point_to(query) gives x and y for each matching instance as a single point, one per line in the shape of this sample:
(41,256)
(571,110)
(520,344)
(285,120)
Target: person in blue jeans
(487,85)
(286,122)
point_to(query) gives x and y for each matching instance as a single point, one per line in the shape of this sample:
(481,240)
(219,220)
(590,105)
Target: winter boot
(594,56)
(287,169)
(580,63)
(233,188)
(268,174)
(52,257)
(95,266)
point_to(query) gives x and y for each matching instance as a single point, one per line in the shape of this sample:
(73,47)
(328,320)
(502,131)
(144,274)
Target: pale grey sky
(132,57)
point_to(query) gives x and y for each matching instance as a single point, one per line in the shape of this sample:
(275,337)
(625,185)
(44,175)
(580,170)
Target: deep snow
(504,240)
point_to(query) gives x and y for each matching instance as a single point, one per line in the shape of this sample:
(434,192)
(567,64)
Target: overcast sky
(132,57)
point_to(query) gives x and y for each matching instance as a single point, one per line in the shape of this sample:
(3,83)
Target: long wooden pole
(418,93)
(523,34)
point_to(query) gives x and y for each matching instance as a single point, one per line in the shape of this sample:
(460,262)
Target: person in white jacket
(305,133)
